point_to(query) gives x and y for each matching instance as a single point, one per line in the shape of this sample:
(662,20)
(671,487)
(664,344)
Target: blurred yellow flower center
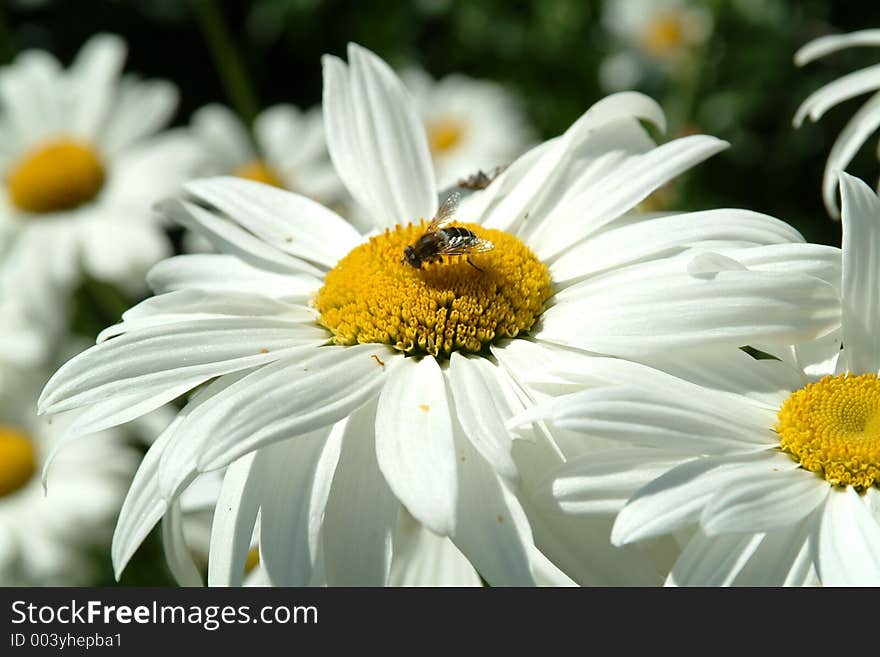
(253,559)
(259,171)
(832,428)
(371,296)
(57,176)
(18,459)
(444,135)
(663,34)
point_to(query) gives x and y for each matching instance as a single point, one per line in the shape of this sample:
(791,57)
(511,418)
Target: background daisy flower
(472,125)
(773,466)
(862,124)
(83,162)
(288,149)
(51,537)
(348,391)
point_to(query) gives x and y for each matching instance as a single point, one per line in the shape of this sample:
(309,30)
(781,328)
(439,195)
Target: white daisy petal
(234,517)
(845,541)
(289,398)
(490,525)
(826,45)
(291,223)
(414,443)
(844,88)
(779,499)
(862,125)
(482,405)
(217,273)
(602,482)
(168,356)
(298,475)
(361,511)
(142,107)
(93,75)
(177,554)
(370,117)
(861,274)
(714,561)
(421,558)
(677,498)
(226,134)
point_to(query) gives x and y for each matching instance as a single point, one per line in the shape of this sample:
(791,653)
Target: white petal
(376,140)
(291,223)
(216,272)
(825,45)
(361,511)
(491,528)
(780,499)
(620,190)
(170,356)
(713,561)
(296,395)
(857,130)
(225,135)
(94,75)
(729,307)
(677,497)
(177,554)
(846,541)
(140,109)
(861,275)
(843,88)
(669,235)
(421,558)
(234,517)
(602,482)
(483,404)
(414,443)
(227,237)
(298,475)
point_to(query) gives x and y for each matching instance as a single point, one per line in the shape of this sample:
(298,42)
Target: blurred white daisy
(863,123)
(54,538)
(775,462)
(472,125)
(360,401)
(82,162)
(288,149)
(656,35)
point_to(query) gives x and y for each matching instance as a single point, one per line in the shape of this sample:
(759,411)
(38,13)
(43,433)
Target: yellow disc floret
(57,176)
(18,459)
(444,135)
(371,296)
(663,34)
(259,171)
(832,428)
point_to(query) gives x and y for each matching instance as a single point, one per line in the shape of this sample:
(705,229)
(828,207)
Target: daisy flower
(82,162)
(772,466)
(50,538)
(472,125)
(658,35)
(288,149)
(359,400)
(863,123)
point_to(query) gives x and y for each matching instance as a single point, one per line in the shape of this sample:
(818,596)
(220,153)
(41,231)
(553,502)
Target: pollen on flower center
(259,171)
(18,459)
(57,176)
(832,428)
(444,135)
(371,296)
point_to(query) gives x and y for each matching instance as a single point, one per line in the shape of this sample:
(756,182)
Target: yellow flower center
(663,34)
(371,296)
(56,176)
(444,135)
(18,459)
(832,428)
(259,171)
(253,559)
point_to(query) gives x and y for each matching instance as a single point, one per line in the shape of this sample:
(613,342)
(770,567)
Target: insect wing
(446,213)
(466,246)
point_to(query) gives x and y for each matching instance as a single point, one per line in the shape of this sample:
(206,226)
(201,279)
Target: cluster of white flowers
(413,348)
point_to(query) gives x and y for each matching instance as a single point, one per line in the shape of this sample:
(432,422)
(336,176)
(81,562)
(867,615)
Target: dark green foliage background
(744,88)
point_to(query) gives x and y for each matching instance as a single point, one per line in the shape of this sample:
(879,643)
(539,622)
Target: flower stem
(227,58)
